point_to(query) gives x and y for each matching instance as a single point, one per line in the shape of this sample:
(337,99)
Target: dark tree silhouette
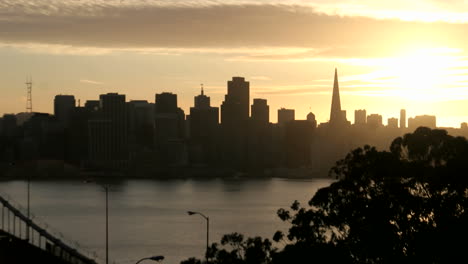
(236,250)
(408,205)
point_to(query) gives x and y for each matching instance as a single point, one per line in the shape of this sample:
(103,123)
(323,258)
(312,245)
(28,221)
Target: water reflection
(149,216)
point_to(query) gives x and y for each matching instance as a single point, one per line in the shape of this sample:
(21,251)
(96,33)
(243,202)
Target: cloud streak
(146,25)
(91,82)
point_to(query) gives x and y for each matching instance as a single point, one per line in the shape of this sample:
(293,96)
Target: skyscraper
(169,119)
(63,106)
(259,136)
(108,135)
(392,122)
(374,120)
(311,119)
(285,116)
(166,103)
(169,130)
(234,122)
(422,120)
(201,100)
(203,122)
(336,114)
(360,117)
(235,108)
(402,118)
(260,111)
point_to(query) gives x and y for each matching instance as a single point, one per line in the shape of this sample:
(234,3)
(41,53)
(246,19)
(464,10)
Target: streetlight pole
(106,189)
(107,223)
(27,206)
(207,230)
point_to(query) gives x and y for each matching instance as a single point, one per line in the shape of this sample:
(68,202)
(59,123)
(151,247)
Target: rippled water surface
(149,217)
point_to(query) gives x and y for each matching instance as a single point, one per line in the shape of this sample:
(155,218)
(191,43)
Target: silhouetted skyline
(138,137)
(285,50)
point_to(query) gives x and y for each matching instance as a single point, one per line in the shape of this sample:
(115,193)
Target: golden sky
(389,54)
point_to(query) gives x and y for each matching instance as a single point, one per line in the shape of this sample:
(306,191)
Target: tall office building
(203,131)
(92,106)
(402,118)
(169,130)
(201,100)
(392,122)
(360,117)
(374,120)
(285,116)
(140,124)
(113,107)
(234,122)
(260,137)
(260,111)
(235,108)
(311,119)
(108,135)
(422,121)
(337,116)
(166,103)
(63,107)
(169,119)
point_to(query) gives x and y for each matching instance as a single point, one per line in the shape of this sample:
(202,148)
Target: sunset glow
(390,55)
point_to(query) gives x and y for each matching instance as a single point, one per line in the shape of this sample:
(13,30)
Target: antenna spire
(202,93)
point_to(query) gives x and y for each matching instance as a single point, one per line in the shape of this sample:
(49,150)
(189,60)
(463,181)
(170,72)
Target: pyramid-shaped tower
(336,115)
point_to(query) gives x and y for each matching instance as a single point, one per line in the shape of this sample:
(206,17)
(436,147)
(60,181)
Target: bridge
(23,241)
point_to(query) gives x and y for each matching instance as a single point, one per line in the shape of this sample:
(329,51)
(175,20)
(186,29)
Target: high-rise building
(336,114)
(374,120)
(169,119)
(285,116)
(203,131)
(422,120)
(201,100)
(140,124)
(360,117)
(169,130)
(234,122)
(63,107)
(113,107)
(311,119)
(235,108)
(260,136)
(166,103)
(260,111)
(92,105)
(108,134)
(392,122)
(402,118)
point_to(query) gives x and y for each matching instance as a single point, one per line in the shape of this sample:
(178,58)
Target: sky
(390,55)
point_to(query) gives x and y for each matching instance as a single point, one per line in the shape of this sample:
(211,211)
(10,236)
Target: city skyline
(349,115)
(423,69)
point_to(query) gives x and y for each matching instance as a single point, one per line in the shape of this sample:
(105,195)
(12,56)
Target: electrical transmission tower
(29,95)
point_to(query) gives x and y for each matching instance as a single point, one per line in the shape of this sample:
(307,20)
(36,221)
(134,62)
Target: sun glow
(424,75)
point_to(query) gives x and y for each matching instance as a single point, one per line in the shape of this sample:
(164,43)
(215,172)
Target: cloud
(260,78)
(99,27)
(91,82)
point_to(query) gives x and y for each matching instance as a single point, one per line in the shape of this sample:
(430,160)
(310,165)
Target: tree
(237,250)
(408,205)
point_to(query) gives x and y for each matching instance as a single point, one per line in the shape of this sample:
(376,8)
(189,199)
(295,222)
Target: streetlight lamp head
(157,258)
(190,213)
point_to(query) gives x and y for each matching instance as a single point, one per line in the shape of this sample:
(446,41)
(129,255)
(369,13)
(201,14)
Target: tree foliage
(408,205)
